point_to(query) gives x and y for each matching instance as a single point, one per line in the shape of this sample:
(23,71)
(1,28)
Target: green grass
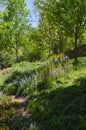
(2,79)
(64,106)
(58,103)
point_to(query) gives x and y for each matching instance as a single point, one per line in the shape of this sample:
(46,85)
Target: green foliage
(62,107)
(25,78)
(61,26)
(81,63)
(59,99)
(14,26)
(44,85)
(62,23)
(11,116)
(21,79)
(2,80)
(56,85)
(7,111)
(33,127)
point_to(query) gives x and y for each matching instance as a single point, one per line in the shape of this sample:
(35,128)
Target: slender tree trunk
(50,46)
(61,46)
(50,42)
(49,49)
(1,62)
(75,44)
(17,54)
(60,42)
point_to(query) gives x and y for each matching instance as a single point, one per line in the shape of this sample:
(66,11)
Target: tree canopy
(62,26)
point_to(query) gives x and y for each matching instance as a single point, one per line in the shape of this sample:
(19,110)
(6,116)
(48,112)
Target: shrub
(33,127)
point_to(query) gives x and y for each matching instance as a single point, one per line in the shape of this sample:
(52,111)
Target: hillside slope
(64,106)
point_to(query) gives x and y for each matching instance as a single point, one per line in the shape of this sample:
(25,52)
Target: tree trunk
(1,62)
(75,47)
(75,44)
(50,46)
(61,46)
(17,54)
(50,41)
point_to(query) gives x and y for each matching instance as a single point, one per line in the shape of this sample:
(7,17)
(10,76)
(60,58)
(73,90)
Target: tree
(36,45)
(16,14)
(46,26)
(68,17)
(71,15)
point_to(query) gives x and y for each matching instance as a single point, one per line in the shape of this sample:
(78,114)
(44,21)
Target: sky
(34,16)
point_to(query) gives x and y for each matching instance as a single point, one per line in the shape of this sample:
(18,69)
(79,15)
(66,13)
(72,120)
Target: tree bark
(76,39)
(17,54)
(50,42)
(75,46)
(61,46)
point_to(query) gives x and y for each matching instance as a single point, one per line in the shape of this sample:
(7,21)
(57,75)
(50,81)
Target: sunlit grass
(2,79)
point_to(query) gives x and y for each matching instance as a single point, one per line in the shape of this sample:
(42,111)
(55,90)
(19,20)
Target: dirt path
(18,100)
(22,118)
(5,71)
(22,102)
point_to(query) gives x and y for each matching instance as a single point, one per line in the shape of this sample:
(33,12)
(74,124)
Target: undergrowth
(57,96)
(11,117)
(26,77)
(64,106)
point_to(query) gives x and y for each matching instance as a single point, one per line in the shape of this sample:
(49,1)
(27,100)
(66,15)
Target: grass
(2,79)
(63,107)
(58,103)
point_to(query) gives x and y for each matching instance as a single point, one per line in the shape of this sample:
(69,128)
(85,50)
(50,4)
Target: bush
(33,127)
(45,84)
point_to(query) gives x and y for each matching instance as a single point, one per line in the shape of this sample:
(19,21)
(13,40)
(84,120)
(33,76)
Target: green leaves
(14,25)
(63,18)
